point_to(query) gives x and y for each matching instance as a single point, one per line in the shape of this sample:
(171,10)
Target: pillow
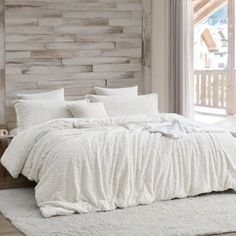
(14,131)
(52,95)
(90,110)
(129,91)
(33,112)
(128,105)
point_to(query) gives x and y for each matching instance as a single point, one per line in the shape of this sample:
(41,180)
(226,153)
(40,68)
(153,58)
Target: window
(214,73)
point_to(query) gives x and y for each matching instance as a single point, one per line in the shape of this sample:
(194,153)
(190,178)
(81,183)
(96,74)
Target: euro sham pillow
(128,91)
(52,95)
(34,112)
(90,110)
(128,105)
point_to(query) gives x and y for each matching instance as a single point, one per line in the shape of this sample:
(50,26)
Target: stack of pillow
(33,109)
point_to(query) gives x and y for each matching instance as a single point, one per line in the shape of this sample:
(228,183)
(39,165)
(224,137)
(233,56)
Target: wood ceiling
(203,8)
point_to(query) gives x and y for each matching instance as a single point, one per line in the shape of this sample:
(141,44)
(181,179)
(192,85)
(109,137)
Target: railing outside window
(210,88)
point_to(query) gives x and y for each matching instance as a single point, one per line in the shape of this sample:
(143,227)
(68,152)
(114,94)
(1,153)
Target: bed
(85,164)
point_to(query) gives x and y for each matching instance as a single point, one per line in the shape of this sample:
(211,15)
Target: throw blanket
(97,165)
(177,128)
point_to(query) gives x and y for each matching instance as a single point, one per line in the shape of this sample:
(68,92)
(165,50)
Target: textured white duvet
(97,165)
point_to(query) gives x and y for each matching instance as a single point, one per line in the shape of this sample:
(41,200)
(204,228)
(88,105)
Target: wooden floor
(7,229)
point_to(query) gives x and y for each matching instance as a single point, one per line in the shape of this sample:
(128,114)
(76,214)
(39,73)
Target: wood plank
(31,29)
(133,52)
(95,60)
(125,21)
(131,29)
(203,89)
(102,75)
(16,55)
(86,6)
(96,21)
(197,91)
(146,45)
(7,229)
(81,45)
(129,7)
(215,90)
(132,43)
(94,13)
(42,38)
(36,77)
(118,37)
(36,62)
(117,67)
(2,65)
(209,89)
(22,21)
(57,69)
(82,29)
(25,46)
(32,12)
(51,54)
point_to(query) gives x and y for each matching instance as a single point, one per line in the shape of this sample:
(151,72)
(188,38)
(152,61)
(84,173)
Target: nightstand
(4,142)
(6,181)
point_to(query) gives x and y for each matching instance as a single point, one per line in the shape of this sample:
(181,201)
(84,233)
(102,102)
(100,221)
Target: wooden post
(146,44)
(2,64)
(231,96)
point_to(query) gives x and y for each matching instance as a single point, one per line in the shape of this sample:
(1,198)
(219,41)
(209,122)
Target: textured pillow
(90,110)
(128,105)
(52,95)
(33,112)
(129,91)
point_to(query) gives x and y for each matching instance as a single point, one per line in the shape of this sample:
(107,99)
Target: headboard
(75,44)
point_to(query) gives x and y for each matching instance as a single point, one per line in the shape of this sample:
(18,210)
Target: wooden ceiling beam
(204,8)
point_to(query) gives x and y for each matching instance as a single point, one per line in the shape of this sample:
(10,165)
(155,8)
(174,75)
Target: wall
(75,44)
(160,52)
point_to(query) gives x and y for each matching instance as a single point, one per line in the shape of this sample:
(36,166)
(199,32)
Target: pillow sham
(90,110)
(128,105)
(33,112)
(52,95)
(128,91)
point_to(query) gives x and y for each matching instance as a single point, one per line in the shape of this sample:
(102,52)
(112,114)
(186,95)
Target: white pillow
(52,95)
(129,91)
(33,112)
(128,105)
(90,110)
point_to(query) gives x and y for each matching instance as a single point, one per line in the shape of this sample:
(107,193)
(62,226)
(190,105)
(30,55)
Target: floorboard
(7,229)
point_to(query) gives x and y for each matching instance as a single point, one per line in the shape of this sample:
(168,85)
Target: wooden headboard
(75,44)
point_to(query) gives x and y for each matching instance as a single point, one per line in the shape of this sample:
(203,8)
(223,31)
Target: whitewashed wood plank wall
(75,44)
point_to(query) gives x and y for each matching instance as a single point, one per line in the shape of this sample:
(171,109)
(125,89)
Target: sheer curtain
(181,57)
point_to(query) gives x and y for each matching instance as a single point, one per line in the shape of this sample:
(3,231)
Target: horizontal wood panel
(74,44)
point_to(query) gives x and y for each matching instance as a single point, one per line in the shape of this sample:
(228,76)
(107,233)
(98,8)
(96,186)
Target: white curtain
(181,57)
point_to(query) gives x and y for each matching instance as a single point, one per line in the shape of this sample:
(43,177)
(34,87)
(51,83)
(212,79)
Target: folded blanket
(179,128)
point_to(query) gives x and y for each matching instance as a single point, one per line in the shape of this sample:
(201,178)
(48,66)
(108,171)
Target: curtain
(181,76)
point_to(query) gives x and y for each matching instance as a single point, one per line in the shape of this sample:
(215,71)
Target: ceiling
(203,8)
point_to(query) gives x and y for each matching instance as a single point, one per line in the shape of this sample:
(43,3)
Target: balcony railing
(210,88)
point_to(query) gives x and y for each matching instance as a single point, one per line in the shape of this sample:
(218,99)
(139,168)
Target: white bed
(88,164)
(84,165)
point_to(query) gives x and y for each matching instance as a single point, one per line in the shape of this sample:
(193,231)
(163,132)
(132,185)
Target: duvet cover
(89,165)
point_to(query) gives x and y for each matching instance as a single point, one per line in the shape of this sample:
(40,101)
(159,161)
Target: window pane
(211,56)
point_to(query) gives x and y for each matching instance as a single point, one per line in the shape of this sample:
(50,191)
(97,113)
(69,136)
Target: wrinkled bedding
(85,165)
